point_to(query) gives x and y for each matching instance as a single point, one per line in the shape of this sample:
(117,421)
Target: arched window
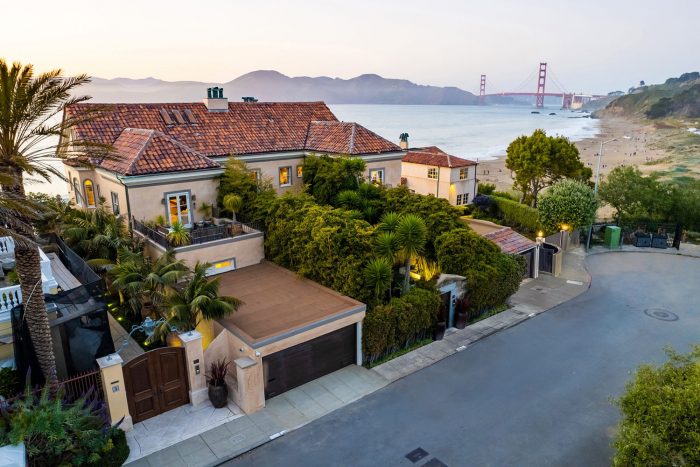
(78,194)
(89,193)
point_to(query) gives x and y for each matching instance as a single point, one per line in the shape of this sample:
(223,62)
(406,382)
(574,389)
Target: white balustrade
(10,297)
(7,247)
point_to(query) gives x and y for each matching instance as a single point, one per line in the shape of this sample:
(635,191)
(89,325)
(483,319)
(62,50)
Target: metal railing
(151,234)
(198,235)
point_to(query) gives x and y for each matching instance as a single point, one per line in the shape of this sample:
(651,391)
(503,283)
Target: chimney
(249,99)
(215,100)
(403,141)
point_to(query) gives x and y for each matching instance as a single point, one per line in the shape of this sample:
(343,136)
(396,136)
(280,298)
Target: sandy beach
(634,145)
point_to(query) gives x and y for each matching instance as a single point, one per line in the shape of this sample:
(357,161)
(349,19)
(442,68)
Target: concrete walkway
(686,249)
(532,298)
(283,413)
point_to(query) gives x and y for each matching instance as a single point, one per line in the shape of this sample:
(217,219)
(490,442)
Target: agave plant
(179,235)
(378,275)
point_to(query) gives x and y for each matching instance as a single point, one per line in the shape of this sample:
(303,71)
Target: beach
(636,144)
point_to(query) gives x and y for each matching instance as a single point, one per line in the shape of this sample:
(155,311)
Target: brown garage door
(302,363)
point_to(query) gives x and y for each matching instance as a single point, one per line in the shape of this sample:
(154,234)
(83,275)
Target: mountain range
(268,85)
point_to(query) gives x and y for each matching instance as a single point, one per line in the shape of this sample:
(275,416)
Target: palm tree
(412,234)
(178,235)
(387,246)
(96,234)
(233,203)
(389,222)
(143,283)
(30,123)
(199,299)
(378,275)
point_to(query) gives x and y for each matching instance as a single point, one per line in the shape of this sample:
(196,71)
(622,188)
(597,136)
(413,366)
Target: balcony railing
(199,235)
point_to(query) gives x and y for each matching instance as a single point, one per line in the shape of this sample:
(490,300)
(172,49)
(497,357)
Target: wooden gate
(156,382)
(546,259)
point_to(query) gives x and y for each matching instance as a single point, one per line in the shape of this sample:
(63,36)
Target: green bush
(492,276)
(660,408)
(56,432)
(120,450)
(399,324)
(327,176)
(521,217)
(486,188)
(569,203)
(10,384)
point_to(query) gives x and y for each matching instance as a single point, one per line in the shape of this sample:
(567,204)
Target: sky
(592,46)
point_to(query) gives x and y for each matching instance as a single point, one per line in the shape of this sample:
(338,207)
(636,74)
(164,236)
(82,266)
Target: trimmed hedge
(405,320)
(492,276)
(519,216)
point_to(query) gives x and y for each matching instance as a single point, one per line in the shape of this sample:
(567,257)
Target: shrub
(492,276)
(521,217)
(483,202)
(486,188)
(56,432)
(660,408)
(378,332)
(10,384)
(326,177)
(568,202)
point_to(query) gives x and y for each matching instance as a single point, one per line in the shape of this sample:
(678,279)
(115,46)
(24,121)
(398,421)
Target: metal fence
(150,233)
(198,235)
(629,229)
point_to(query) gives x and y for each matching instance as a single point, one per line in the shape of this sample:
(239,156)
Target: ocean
(473,132)
(468,131)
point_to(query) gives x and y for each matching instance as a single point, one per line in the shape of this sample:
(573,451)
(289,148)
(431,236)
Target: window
(178,205)
(433,173)
(254,174)
(115,203)
(376,176)
(285,176)
(300,171)
(221,266)
(463,173)
(462,199)
(89,193)
(78,195)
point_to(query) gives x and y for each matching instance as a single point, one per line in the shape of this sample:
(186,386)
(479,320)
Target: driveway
(536,394)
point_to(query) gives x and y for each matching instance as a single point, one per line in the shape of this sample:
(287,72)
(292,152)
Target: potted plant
(462,312)
(178,235)
(218,392)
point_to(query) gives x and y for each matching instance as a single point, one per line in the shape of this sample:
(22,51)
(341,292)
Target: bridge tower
(539,97)
(482,90)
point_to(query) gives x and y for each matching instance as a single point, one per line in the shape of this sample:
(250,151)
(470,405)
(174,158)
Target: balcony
(225,244)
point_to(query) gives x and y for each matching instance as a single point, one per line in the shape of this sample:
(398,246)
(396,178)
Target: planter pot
(218,395)
(440,330)
(461,321)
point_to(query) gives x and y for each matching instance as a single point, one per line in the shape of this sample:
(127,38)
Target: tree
(378,276)
(30,124)
(233,203)
(569,203)
(539,160)
(142,283)
(411,234)
(660,408)
(634,196)
(256,194)
(197,300)
(327,176)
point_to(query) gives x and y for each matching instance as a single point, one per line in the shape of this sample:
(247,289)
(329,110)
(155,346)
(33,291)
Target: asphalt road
(536,394)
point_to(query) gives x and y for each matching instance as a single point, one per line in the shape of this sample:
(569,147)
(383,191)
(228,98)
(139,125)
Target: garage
(305,362)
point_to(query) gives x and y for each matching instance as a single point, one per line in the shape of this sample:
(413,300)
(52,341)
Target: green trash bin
(612,236)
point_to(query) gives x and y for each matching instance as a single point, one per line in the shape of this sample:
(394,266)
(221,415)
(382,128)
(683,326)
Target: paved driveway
(536,394)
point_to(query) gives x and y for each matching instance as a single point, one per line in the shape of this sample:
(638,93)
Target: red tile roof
(246,128)
(345,138)
(435,156)
(510,241)
(140,152)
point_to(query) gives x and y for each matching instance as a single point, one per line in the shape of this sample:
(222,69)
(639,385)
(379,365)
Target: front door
(156,382)
(179,209)
(445,309)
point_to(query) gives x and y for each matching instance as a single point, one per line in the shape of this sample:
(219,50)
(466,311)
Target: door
(546,258)
(444,313)
(156,382)
(292,367)
(179,209)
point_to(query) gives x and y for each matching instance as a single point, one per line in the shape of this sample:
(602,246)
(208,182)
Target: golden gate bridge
(569,100)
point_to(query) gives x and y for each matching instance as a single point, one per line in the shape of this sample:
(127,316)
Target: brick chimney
(403,141)
(215,100)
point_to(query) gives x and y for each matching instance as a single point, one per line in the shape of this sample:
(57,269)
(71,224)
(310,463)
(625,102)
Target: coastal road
(536,394)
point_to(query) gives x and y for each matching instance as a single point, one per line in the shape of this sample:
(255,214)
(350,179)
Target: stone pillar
(250,396)
(359,343)
(194,359)
(114,390)
(536,261)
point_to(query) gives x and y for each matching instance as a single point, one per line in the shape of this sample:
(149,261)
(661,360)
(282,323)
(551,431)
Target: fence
(83,384)
(630,228)
(150,233)
(198,235)
(78,267)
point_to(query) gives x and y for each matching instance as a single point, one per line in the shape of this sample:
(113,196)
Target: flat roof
(278,303)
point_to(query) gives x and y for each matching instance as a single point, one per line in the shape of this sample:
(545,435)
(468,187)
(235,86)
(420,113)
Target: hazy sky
(590,45)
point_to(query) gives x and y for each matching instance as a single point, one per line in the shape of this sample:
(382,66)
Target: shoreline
(635,145)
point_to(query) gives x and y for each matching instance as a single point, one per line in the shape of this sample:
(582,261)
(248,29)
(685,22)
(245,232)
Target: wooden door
(156,382)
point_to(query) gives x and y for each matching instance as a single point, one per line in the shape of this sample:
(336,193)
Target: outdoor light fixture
(148,327)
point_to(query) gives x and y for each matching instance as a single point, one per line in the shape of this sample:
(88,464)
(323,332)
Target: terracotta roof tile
(435,156)
(141,152)
(510,241)
(345,138)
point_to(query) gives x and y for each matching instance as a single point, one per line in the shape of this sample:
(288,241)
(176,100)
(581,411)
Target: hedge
(405,320)
(492,276)
(519,216)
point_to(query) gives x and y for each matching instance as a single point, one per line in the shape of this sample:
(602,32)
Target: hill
(268,85)
(676,97)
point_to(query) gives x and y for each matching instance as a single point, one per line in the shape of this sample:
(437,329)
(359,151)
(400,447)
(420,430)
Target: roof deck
(278,303)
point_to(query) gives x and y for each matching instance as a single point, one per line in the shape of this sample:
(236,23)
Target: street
(535,394)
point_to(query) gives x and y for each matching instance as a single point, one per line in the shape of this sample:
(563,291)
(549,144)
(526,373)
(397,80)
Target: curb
(645,251)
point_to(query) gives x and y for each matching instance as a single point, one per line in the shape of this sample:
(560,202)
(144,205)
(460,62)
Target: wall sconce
(162,201)
(540,237)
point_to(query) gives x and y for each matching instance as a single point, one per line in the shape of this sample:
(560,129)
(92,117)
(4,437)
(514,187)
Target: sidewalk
(687,249)
(534,296)
(283,413)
